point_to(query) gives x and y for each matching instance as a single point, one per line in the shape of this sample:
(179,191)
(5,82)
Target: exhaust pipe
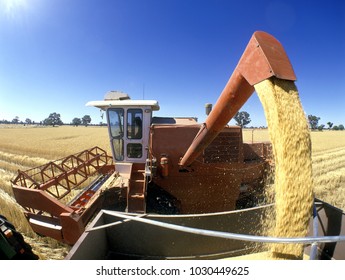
(264,57)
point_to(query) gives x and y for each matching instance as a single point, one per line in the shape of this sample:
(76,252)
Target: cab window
(134,123)
(115,118)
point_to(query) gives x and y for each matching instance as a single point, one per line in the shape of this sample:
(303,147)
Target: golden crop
(24,147)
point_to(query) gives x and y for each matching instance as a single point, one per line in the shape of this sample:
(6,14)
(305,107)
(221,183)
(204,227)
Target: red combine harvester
(170,181)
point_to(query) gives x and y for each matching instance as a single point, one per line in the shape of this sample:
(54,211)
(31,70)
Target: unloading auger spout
(264,57)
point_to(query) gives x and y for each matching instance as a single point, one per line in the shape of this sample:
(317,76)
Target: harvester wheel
(12,243)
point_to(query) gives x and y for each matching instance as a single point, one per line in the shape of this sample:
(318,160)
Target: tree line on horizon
(314,124)
(54,119)
(242,119)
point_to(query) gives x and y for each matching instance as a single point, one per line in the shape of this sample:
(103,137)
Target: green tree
(86,120)
(76,121)
(15,120)
(313,121)
(53,119)
(242,118)
(330,124)
(341,127)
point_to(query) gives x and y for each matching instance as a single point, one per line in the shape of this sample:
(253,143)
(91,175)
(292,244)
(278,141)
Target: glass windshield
(116,122)
(115,119)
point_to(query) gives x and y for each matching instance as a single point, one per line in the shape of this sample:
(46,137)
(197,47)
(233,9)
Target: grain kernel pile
(291,144)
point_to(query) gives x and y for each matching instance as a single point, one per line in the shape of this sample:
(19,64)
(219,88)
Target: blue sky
(56,55)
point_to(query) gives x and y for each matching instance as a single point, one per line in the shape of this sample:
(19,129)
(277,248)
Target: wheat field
(24,147)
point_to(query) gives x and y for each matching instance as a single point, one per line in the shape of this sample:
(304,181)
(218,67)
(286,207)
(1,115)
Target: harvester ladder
(136,199)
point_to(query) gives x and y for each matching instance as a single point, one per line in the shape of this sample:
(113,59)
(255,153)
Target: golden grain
(291,145)
(328,161)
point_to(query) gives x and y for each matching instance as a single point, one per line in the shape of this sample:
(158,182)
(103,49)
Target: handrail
(112,224)
(229,235)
